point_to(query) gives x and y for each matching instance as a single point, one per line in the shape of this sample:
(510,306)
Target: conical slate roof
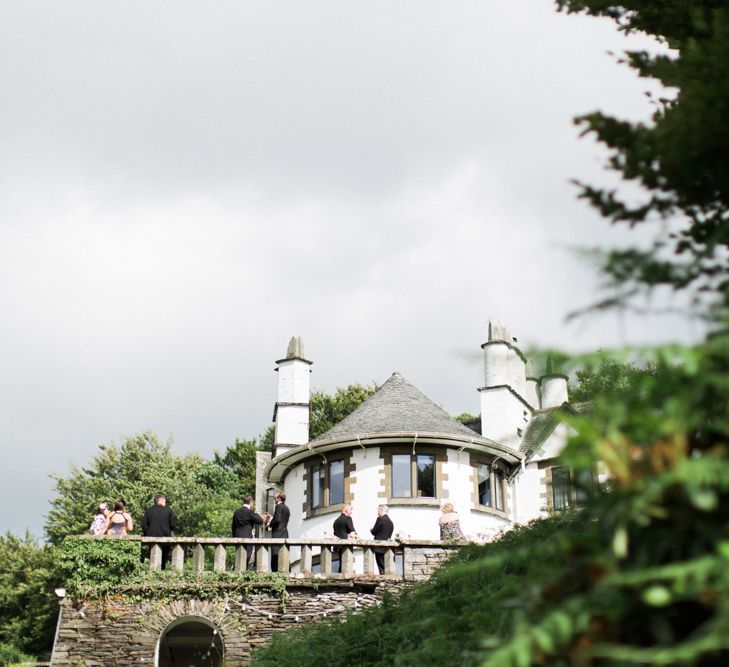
(397,407)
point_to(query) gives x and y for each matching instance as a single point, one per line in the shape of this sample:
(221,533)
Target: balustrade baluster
(240,558)
(390,561)
(219,558)
(306,560)
(325,561)
(155,558)
(284,559)
(178,557)
(198,558)
(347,557)
(369,560)
(262,558)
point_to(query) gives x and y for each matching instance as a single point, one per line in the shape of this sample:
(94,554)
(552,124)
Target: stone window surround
(475,460)
(547,489)
(441,458)
(349,480)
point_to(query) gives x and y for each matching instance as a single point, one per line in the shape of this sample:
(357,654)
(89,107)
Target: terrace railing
(327,557)
(404,559)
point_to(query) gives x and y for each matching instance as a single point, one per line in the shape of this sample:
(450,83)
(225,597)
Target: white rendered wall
(527,487)
(293,381)
(554,391)
(460,487)
(532,393)
(414,521)
(292,410)
(497,367)
(502,416)
(292,426)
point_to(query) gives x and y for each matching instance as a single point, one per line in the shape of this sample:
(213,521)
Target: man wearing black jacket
(158,521)
(279,525)
(244,519)
(382,530)
(343,529)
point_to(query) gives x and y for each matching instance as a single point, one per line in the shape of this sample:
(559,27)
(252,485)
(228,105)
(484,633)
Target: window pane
(401,482)
(426,475)
(561,487)
(484,484)
(584,486)
(498,490)
(317,486)
(336,482)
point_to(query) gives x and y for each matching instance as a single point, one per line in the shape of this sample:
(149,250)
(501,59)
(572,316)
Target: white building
(399,448)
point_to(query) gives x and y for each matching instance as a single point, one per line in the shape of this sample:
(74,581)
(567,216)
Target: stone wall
(118,632)
(421,558)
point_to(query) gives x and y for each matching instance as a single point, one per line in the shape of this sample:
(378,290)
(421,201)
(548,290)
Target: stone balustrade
(323,558)
(306,556)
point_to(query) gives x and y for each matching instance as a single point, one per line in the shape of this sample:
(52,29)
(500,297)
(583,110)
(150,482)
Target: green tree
(678,158)
(240,459)
(328,410)
(28,606)
(609,378)
(202,494)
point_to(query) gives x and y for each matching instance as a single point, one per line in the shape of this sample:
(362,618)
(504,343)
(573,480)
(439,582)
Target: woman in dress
(119,522)
(450,526)
(98,523)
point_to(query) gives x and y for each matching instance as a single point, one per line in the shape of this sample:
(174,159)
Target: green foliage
(267,439)
(28,607)
(97,564)
(327,411)
(201,493)
(96,567)
(240,460)
(440,622)
(679,158)
(12,656)
(603,375)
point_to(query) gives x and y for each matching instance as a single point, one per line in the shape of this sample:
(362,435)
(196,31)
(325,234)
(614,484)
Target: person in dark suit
(159,521)
(343,529)
(382,530)
(279,525)
(244,519)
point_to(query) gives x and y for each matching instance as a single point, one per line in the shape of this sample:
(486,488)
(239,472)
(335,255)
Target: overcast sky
(184,186)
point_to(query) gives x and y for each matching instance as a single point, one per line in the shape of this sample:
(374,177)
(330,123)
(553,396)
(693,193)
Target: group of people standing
(159,521)
(246,519)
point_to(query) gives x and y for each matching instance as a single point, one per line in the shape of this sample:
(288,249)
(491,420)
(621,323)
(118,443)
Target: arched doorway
(190,641)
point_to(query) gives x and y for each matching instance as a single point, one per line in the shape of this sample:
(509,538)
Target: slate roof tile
(397,407)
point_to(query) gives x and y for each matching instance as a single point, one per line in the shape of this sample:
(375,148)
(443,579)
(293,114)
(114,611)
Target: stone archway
(190,641)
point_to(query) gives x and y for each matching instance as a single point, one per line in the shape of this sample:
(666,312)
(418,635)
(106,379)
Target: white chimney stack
(291,414)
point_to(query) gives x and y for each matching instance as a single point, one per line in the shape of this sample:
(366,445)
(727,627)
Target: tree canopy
(28,607)
(203,494)
(328,410)
(609,378)
(679,158)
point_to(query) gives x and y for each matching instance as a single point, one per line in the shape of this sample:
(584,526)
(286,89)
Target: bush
(90,566)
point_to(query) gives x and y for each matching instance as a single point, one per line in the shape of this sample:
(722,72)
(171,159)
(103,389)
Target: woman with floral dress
(450,525)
